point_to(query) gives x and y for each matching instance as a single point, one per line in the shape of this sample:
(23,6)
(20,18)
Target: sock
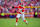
(16,23)
(25,21)
(16,19)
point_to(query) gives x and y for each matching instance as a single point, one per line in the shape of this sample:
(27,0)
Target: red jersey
(21,9)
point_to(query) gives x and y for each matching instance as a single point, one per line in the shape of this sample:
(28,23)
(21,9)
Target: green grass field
(32,22)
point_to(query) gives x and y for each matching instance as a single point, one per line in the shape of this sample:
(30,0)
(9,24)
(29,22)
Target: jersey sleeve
(23,10)
(20,7)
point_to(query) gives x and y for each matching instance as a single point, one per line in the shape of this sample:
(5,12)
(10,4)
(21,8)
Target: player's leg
(17,17)
(23,17)
(16,21)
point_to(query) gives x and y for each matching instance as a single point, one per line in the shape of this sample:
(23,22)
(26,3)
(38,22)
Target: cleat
(26,23)
(15,24)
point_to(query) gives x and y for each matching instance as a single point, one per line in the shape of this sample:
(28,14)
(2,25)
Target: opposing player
(21,14)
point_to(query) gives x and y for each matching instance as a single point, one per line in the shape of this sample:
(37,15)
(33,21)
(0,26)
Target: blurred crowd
(6,5)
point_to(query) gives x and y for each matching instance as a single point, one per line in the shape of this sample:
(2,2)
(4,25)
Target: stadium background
(8,14)
(32,8)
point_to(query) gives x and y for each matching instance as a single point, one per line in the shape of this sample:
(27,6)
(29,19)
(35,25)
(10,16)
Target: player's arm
(22,11)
